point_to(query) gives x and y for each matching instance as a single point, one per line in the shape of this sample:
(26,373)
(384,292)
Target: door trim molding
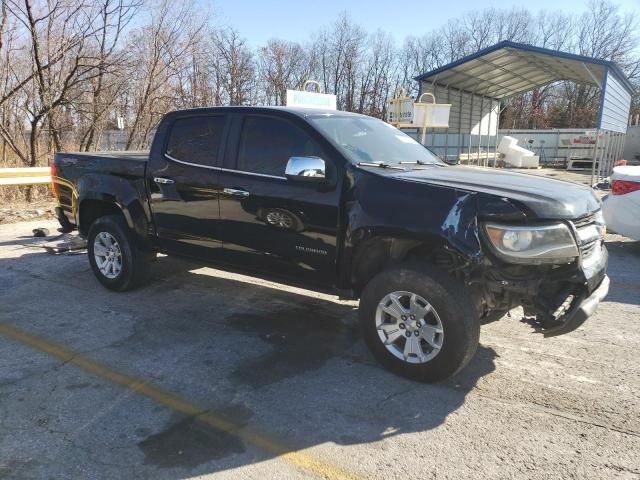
(220,169)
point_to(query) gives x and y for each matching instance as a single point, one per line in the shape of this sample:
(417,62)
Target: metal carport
(475,85)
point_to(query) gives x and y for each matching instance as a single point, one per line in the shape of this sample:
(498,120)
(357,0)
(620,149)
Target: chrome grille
(587,248)
(589,234)
(585,221)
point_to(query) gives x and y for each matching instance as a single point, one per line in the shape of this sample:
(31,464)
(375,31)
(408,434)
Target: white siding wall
(473,124)
(469,113)
(615,107)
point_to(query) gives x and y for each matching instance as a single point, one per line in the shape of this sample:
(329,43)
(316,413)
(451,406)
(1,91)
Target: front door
(184,185)
(267,221)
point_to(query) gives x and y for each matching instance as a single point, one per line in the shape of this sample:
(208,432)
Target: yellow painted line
(264,442)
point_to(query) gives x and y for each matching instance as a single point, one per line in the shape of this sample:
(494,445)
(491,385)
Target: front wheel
(115,258)
(419,324)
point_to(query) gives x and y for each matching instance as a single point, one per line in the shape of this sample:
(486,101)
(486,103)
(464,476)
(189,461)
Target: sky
(260,20)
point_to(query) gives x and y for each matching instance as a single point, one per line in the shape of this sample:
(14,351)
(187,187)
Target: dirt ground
(20,211)
(206,374)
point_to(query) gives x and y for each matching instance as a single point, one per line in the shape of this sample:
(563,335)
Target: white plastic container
(402,111)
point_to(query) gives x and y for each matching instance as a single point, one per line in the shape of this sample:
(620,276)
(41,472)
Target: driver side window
(267,143)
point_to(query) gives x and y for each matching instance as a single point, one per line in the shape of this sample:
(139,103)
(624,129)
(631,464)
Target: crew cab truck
(344,202)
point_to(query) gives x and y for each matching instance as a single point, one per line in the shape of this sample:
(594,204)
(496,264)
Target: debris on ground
(40,232)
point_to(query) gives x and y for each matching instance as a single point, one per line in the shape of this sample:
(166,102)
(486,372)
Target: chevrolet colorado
(344,202)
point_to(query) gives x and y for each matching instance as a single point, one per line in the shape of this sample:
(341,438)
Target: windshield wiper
(378,164)
(420,162)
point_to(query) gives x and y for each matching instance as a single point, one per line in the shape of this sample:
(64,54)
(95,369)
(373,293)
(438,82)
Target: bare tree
(110,63)
(69,68)
(378,74)
(56,40)
(157,50)
(235,67)
(339,51)
(282,65)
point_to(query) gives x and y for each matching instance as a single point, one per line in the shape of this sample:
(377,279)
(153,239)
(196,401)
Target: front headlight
(532,244)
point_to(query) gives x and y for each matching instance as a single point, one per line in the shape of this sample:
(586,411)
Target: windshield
(369,140)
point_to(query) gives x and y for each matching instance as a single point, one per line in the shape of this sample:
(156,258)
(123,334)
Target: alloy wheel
(107,254)
(409,327)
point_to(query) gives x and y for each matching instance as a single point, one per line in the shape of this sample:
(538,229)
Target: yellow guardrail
(25,176)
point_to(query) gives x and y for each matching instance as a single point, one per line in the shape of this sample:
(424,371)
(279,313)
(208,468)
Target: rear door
(267,221)
(183,184)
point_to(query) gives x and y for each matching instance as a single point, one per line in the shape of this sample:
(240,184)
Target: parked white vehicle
(621,209)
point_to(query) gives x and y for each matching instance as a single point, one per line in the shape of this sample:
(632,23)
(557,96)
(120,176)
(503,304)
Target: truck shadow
(311,349)
(289,363)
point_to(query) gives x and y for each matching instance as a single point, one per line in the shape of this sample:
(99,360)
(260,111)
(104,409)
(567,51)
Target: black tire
(450,299)
(134,260)
(65,225)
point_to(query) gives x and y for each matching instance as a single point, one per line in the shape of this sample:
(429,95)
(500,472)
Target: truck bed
(130,164)
(69,168)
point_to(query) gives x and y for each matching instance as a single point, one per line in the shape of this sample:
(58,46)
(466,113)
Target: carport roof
(508,68)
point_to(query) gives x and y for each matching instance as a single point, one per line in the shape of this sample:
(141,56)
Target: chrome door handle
(236,193)
(164,181)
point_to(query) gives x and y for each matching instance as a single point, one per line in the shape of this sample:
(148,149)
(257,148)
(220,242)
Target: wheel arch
(100,195)
(90,209)
(377,252)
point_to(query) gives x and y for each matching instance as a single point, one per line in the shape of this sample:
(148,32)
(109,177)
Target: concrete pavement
(207,374)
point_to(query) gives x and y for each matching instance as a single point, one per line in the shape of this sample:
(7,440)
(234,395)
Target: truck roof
(299,111)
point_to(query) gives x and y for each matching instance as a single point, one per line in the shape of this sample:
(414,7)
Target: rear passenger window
(267,143)
(197,139)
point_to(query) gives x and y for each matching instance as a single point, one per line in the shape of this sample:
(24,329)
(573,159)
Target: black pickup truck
(344,202)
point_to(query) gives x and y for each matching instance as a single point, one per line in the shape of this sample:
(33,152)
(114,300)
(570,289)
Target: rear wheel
(419,324)
(115,258)
(65,225)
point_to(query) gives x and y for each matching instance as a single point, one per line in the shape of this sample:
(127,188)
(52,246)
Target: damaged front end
(575,310)
(555,271)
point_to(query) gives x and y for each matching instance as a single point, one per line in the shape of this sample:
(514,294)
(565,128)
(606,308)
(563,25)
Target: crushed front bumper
(581,310)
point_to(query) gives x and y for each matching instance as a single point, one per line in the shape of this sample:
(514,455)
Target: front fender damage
(460,228)
(444,227)
(556,299)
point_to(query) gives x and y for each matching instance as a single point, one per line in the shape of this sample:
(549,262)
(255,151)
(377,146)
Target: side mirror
(306,169)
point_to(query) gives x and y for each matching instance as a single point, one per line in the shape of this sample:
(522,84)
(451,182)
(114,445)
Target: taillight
(54,184)
(620,187)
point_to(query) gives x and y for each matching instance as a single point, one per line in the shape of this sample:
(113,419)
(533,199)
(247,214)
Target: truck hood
(546,197)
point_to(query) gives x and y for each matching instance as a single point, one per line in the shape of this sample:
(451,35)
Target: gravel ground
(202,373)
(14,212)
